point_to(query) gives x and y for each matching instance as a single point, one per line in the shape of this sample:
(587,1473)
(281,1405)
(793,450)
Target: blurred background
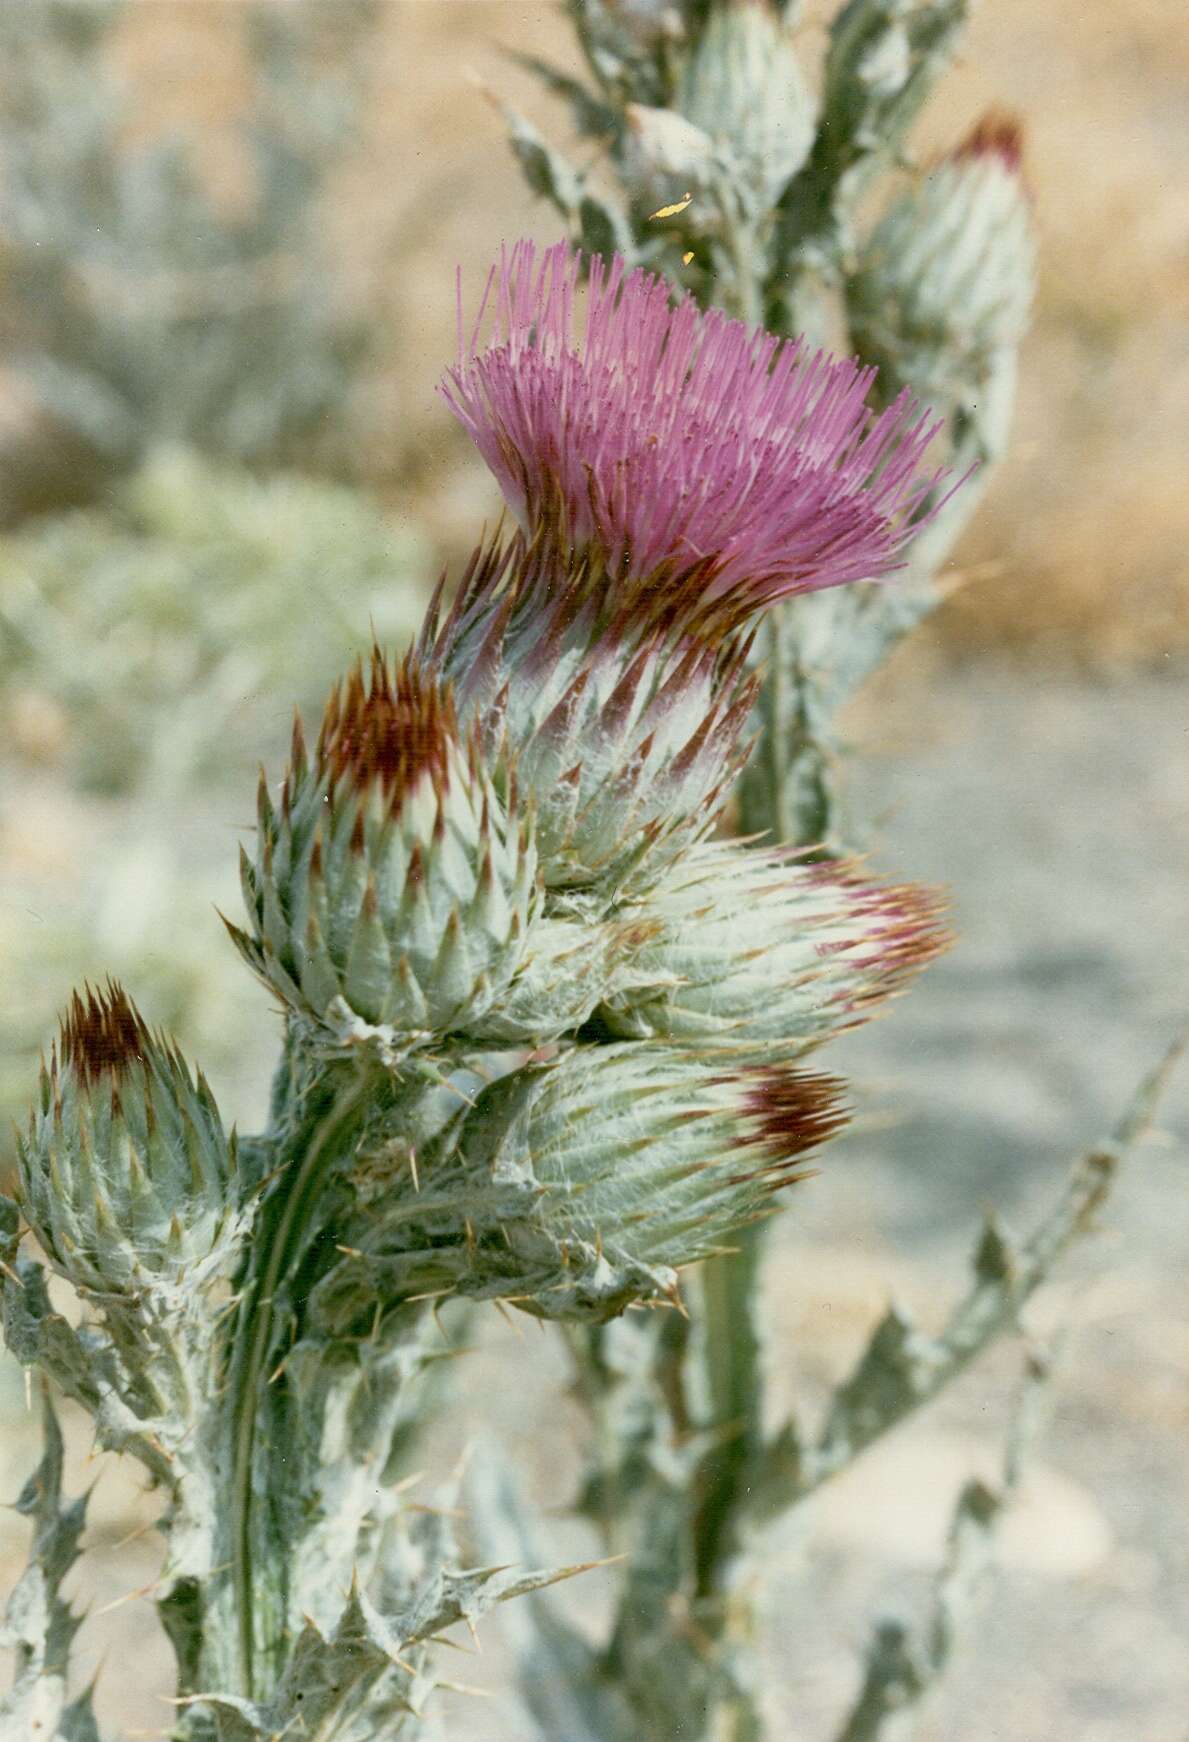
(228,237)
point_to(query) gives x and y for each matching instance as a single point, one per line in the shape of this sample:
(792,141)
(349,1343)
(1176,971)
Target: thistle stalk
(936,294)
(257,1581)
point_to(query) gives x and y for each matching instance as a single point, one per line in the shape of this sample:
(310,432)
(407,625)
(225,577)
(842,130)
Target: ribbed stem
(732,1352)
(256,1579)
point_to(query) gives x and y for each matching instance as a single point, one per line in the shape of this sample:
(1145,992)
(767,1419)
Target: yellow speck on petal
(671,211)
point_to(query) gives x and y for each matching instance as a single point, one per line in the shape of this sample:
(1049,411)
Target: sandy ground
(1059,817)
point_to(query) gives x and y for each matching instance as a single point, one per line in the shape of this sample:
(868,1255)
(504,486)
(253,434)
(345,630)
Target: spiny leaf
(592,117)
(545,170)
(39,1625)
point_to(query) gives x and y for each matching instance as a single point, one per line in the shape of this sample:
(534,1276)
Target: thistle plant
(531,1052)
(547,1002)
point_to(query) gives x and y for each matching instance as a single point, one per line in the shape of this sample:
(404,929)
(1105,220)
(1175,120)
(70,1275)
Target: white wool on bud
(950,268)
(744,89)
(569,967)
(648,21)
(668,161)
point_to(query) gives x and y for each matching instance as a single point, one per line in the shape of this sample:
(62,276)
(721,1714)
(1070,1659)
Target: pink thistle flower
(711,467)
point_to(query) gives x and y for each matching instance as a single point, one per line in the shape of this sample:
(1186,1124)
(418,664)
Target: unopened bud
(125,1173)
(764,950)
(576,1187)
(744,89)
(944,284)
(392,883)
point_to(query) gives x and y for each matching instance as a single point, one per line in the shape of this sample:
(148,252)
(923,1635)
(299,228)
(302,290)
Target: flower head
(103,1033)
(124,1170)
(693,454)
(392,885)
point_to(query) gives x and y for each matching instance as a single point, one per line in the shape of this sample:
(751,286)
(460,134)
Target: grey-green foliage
(39,1623)
(147,643)
(173,1372)
(141,304)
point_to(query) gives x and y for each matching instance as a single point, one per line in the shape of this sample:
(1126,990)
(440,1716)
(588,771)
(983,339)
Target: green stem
(746,300)
(765,790)
(735,1384)
(254,1343)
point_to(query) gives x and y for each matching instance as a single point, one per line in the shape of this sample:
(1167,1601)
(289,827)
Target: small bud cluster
(503,841)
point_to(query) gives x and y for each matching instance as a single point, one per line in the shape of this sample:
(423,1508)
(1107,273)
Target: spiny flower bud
(949,271)
(743,88)
(576,1187)
(763,949)
(125,1173)
(710,468)
(628,733)
(392,885)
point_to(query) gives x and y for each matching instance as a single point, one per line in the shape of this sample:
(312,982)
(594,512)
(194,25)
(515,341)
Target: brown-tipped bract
(393,884)
(126,1176)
